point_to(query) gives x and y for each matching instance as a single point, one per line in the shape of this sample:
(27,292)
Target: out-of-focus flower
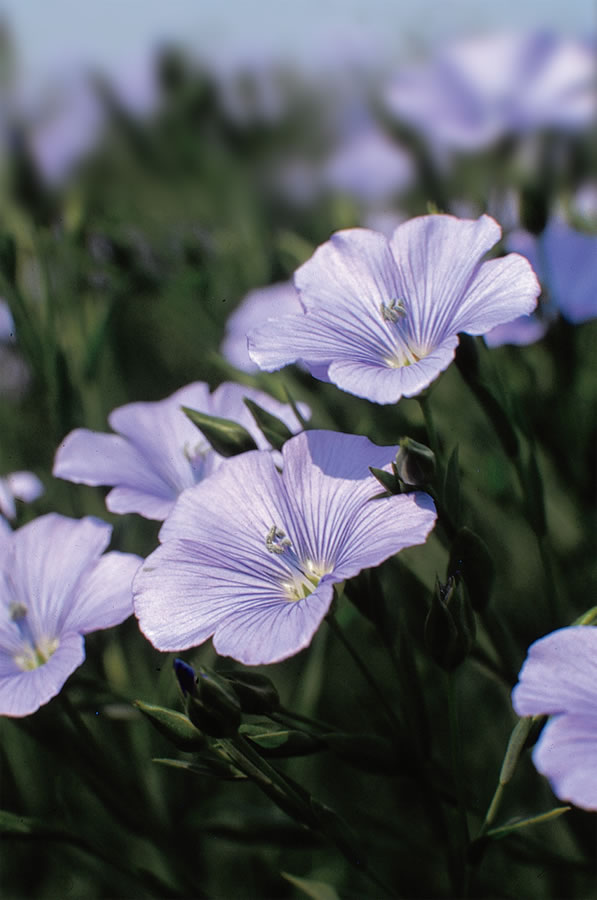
(381,318)
(157,452)
(566,262)
(64,126)
(279,299)
(18,486)
(370,167)
(251,555)
(559,679)
(55,587)
(14,375)
(475,92)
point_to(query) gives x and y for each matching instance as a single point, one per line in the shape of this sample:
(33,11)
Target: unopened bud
(172,725)
(256,693)
(415,463)
(471,559)
(227,438)
(450,624)
(211,704)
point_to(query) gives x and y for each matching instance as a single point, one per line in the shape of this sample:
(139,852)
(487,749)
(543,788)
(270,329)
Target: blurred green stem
(461,887)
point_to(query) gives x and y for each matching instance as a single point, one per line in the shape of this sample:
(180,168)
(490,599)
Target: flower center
(301,576)
(400,354)
(197,456)
(33,653)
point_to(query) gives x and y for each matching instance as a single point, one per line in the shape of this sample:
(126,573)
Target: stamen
(276,540)
(393,311)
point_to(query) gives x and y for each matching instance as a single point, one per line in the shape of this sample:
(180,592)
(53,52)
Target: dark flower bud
(470,558)
(273,429)
(450,624)
(415,463)
(211,704)
(227,438)
(187,679)
(256,693)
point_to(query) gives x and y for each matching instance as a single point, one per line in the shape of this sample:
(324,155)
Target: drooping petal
(51,554)
(104,596)
(566,754)
(22,693)
(559,674)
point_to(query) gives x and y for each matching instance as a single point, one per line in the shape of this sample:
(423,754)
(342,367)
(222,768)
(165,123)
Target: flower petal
(25,486)
(22,693)
(51,554)
(104,596)
(559,674)
(566,753)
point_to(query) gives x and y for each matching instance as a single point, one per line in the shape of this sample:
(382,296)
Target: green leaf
(273,429)
(317,890)
(227,438)
(264,736)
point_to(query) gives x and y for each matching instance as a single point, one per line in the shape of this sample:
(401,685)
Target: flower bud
(273,429)
(211,704)
(256,693)
(415,463)
(227,438)
(470,559)
(172,725)
(450,624)
(388,480)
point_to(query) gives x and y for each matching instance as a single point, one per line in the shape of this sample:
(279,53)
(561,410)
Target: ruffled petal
(22,693)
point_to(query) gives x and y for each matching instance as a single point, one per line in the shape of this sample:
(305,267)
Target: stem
(423,400)
(364,670)
(457,773)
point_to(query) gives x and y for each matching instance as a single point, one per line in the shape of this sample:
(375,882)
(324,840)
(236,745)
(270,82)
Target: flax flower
(157,451)
(250,556)
(55,587)
(381,317)
(559,679)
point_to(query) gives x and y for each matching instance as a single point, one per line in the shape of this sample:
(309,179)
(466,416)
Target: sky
(113,33)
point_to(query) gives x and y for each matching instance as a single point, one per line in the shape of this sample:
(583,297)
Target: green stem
(458,776)
(365,672)
(423,400)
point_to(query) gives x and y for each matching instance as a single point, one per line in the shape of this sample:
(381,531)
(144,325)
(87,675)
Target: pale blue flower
(381,317)
(250,556)
(55,587)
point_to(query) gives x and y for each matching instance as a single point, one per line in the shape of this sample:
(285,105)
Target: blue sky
(111,33)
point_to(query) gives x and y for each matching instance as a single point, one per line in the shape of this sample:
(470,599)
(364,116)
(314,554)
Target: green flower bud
(388,480)
(450,624)
(227,438)
(256,693)
(415,463)
(470,558)
(172,725)
(273,429)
